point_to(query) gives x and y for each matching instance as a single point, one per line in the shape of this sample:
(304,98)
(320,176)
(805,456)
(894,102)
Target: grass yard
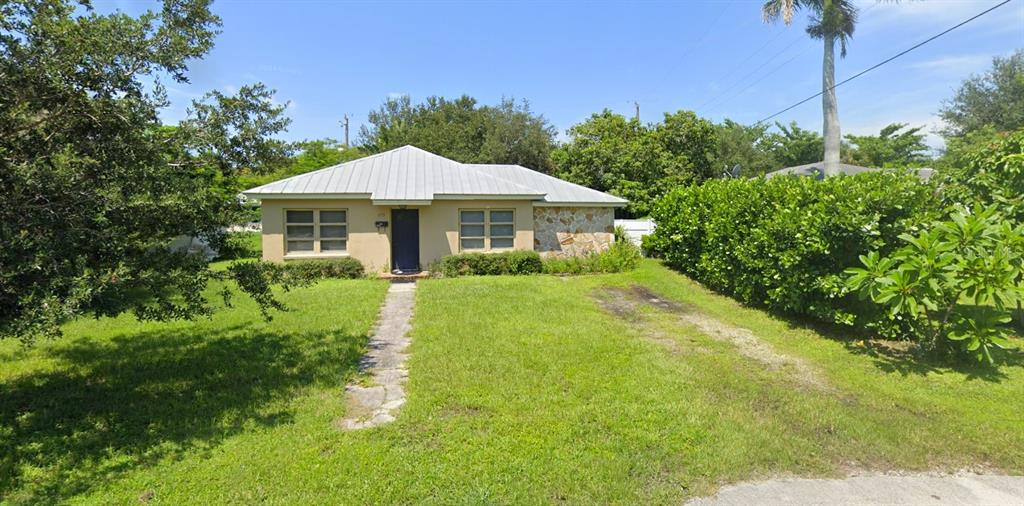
(521,390)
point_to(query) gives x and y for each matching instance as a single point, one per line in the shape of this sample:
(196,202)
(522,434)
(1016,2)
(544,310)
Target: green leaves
(785,242)
(960,278)
(95,189)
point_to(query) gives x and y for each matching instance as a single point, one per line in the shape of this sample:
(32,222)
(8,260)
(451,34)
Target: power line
(692,46)
(763,77)
(887,60)
(739,81)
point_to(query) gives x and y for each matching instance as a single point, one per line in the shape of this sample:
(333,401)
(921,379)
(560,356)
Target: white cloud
(876,14)
(395,95)
(957,65)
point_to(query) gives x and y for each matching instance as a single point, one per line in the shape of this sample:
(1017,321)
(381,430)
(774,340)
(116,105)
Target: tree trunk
(829,107)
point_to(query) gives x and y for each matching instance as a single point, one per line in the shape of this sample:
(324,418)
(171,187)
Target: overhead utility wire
(740,81)
(887,60)
(763,77)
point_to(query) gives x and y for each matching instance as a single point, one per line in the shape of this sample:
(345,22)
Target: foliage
(988,168)
(891,148)
(94,187)
(994,99)
(238,245)
(310,156)
(306,271)
(783,243)
(508,133)
(956,280)
(834,18)
(792,146)
(745,146)
(489,264)
(610,153)
(621,256)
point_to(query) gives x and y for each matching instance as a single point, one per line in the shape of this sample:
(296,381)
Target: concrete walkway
(961,489)
(377,403)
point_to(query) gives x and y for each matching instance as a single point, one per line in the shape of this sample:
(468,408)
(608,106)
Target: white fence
(636,229)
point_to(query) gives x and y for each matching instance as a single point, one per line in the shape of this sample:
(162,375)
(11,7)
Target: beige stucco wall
(571,231)
(439,228)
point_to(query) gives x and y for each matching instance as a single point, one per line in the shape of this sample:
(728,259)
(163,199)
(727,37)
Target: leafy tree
(745,146)
(986,167)
(94,187)
(890,148)
(463,131)
(831,21)
(639,162)
(994,99)
(792,145)
(310,155)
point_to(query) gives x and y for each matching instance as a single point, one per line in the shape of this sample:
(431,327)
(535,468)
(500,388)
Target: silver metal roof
(817,170)
(556,191)
(414,176)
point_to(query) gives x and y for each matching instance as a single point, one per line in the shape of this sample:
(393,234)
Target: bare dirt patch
(623,303)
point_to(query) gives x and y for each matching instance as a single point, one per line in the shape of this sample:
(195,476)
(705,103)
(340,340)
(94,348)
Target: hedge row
(621,256)
(783,243)
(490,264)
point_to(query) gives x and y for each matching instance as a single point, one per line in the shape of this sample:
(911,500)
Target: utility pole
(637,105)
(344,123)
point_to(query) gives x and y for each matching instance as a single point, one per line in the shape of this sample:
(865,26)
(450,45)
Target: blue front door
(405,240)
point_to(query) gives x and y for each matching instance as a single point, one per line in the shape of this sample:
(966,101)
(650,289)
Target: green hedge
(783,243)
(313,270)
(490,264)
(620,257)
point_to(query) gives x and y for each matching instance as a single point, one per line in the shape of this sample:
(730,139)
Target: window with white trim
(484,230)
(315,231)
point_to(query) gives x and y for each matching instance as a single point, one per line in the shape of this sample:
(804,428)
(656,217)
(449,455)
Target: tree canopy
(462,130)
(639,162)
(95,188)
(793,145)
(994,99)
(890,148)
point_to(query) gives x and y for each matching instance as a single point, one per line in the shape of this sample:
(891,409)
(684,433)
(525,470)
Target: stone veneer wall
(571,231)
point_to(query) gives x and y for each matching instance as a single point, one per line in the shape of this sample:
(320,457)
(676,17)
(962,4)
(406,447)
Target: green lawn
(521,390)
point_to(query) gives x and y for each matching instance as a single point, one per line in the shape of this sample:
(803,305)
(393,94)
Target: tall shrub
(783,243)
(955,282)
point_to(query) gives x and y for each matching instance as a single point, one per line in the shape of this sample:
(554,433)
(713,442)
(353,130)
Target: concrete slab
(960,489)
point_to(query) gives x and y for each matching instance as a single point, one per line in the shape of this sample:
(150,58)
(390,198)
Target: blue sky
(570,59)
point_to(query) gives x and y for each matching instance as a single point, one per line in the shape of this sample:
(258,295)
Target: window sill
(314,256)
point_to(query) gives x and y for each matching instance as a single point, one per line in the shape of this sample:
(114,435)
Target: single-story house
(403,209)
(817,171)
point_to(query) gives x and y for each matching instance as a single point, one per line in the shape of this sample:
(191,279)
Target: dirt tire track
(624,302)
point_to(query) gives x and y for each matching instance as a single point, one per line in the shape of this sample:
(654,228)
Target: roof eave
(273,196)
(580,204)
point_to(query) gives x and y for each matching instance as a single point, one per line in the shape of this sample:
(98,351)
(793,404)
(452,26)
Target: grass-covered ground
(521,390)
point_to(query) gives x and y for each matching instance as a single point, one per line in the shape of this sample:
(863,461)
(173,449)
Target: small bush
(620,257)
(490,264)
(313,270)
(241,245)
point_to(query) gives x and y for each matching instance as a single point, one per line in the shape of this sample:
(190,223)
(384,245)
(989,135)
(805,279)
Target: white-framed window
(315,231)
(486,229)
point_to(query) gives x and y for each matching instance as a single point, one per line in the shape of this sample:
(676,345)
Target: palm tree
(831,21)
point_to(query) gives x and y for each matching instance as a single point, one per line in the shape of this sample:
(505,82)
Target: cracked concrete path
(377,402)
(960,489)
